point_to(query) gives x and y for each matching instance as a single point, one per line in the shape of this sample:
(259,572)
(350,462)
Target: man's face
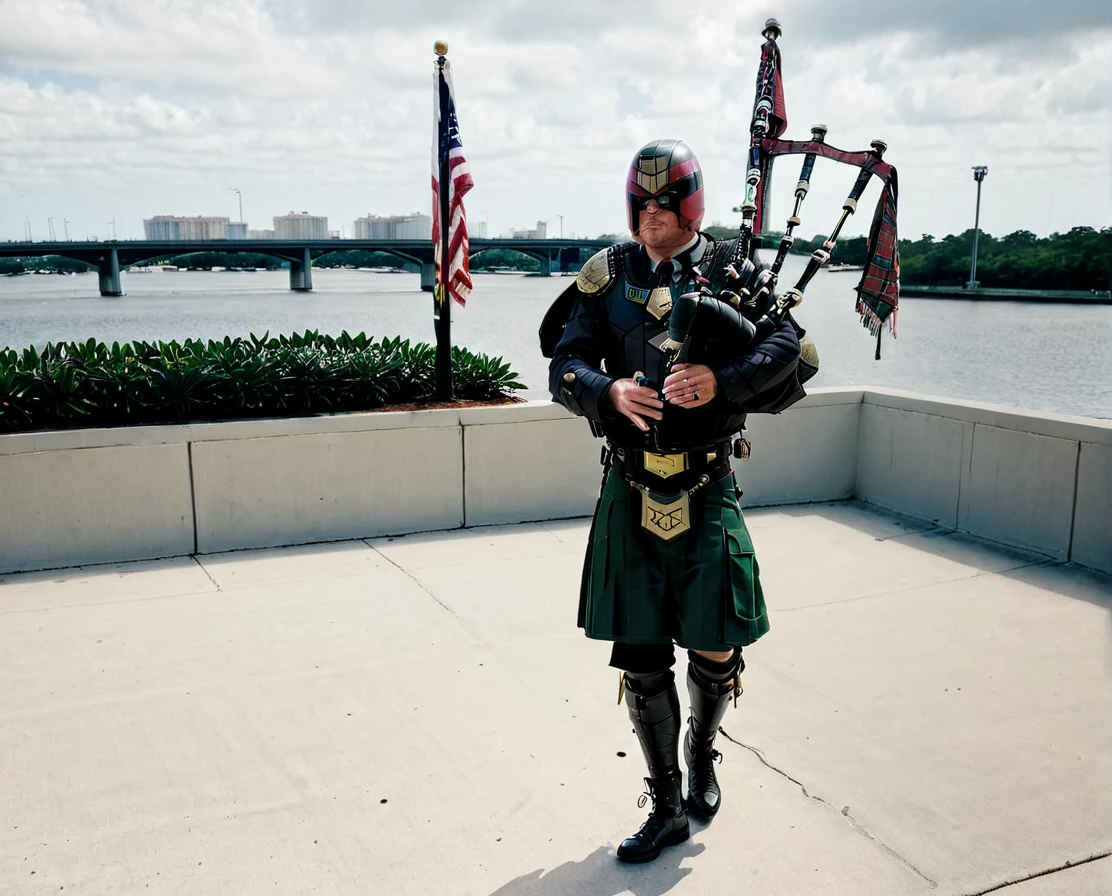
(659,228)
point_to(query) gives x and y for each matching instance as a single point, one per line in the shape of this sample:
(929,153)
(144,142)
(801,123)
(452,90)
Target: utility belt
(666,482)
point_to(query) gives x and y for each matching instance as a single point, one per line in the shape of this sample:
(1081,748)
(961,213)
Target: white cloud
(138,107)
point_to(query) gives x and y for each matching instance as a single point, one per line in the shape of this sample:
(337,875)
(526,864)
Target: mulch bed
(456,404)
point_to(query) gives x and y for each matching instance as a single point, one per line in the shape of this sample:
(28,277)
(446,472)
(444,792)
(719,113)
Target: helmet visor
(667,201)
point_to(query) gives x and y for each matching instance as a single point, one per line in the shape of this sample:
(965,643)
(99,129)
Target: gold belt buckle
(665,519)
(664,465)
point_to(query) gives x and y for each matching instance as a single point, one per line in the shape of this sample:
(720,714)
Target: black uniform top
(610,335)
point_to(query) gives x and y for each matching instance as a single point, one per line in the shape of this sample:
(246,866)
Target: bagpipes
(746,310)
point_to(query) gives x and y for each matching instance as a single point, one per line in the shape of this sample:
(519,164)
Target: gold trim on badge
(660,302)
(664,465)
(666,520)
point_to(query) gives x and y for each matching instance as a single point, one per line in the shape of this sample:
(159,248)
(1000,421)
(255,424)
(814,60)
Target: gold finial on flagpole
(440,48)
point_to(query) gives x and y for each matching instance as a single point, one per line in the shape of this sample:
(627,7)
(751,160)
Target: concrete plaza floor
(929,714)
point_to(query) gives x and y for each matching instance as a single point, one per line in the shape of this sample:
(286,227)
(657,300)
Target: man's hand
(636,402)
(690,385)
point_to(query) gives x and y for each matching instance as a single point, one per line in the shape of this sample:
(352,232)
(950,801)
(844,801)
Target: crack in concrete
(204,569)
(465,624)
(977,575)
(410,575)
(1045,873)
(856,825)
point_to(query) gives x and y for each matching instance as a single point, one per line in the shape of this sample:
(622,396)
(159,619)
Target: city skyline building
(301,226)
(540,232)
(177,227)
(414,226)
(304,226)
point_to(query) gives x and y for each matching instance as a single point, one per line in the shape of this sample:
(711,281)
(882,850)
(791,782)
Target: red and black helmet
(667,171)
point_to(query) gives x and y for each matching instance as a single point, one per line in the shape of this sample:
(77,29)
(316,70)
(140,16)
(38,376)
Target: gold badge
(665,519)
(660,302)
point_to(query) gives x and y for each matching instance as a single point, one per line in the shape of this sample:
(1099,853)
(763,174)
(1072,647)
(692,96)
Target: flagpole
(442,301)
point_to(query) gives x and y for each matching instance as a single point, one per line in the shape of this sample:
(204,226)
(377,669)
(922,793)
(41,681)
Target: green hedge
(71,385)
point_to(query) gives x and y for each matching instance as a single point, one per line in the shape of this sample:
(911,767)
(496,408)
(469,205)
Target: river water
(1054,358)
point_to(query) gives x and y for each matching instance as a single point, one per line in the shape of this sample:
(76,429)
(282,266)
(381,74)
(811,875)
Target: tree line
(1080,259)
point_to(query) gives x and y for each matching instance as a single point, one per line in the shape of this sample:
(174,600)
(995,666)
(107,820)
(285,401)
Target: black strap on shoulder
(618,253)
(559,312)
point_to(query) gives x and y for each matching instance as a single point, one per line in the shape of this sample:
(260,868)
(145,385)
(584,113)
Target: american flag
(447,148)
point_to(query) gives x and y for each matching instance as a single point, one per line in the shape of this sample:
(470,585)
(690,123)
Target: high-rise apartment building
(301,226)
(174,227)
(540,233)
(393,227)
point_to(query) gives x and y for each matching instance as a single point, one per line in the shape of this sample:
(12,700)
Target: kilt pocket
(745,619)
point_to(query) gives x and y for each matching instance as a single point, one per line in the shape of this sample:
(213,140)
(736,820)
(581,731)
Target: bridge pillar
(546,265)
(301,273)
(109,272)
(428,276)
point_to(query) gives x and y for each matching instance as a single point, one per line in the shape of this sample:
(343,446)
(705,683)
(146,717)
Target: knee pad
(649,684)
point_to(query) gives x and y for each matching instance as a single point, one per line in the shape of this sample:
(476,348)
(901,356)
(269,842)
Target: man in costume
(669,560)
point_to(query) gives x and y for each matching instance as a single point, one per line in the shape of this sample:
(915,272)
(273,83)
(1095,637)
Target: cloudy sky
(123,109)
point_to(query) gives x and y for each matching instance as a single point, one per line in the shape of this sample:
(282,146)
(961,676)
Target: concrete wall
(88,496)
(1036,481)
(528,462)
(1092,519)
(326,487)
(807,454)
(67,507)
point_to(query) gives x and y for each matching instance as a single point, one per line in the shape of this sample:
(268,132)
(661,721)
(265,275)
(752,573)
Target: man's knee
(716,656)
(714,667)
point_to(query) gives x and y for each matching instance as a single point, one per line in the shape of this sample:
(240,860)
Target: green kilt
(701,590)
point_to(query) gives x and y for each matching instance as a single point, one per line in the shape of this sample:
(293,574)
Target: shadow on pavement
(1075,582)
(600,874)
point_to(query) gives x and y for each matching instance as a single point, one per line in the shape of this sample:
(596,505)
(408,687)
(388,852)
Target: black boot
(654,709)
(711,686)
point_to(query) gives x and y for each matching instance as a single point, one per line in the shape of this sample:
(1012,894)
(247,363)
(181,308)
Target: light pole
(979,172)
(561,217)
(240,195)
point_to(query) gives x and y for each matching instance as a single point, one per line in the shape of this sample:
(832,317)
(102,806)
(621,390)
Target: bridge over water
(112,256)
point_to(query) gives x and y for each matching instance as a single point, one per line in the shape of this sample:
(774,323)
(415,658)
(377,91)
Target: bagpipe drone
(748,308)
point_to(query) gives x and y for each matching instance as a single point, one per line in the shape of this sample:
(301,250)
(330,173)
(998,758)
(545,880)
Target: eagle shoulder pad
(597,273)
